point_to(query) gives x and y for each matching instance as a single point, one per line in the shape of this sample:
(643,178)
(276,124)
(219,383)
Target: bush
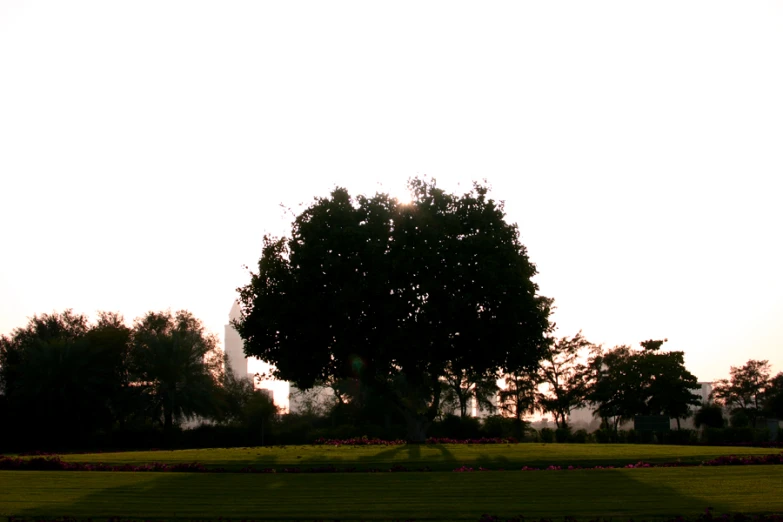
(547,435)
(498,426)
(634,436)
(739,419)
(718,436)
(682,436)
(455,427)
(580,436)
(531,435)
(563,434)
(604,436)
(709,415)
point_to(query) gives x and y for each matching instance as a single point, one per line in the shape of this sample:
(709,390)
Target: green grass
(438,457)
(634,493)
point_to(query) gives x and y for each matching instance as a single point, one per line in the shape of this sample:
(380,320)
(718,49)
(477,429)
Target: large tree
(394,295)
(744,390)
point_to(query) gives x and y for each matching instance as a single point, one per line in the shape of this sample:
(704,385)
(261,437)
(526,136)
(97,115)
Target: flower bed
(54,463)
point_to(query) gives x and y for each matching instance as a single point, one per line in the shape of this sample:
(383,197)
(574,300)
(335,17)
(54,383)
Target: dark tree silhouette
(60,373)
(773,401)
(177,364)
(647,382)
(518,398)
(744,390)
(709,415)
(568,378)
(393,294)
(463,385)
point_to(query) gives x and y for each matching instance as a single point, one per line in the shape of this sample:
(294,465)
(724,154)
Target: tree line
(622,383)
(69,383)
(404,310)
(65,381)
(428,303)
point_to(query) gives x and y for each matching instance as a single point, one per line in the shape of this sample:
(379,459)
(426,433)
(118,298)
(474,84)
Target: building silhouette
(244,367)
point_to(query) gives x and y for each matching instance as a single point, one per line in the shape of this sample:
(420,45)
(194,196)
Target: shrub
(682,436)
(709,415)
(497,426)
(603,436)
(580,436)
(547,435)
(563,434)
(531,435)
(718,436)
(739,419)
(456,427)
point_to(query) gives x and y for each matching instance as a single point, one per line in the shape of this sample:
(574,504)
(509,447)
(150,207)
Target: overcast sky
(146,147)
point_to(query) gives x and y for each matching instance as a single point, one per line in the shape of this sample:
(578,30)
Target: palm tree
(177,363)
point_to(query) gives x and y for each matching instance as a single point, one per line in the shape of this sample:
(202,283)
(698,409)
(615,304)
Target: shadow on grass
(435,456)
(621,494)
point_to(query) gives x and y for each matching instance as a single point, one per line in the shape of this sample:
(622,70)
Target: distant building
(235,348)
(704,392)
(247,367)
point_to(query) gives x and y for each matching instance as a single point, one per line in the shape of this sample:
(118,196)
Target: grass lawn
(439,457)
(636,493)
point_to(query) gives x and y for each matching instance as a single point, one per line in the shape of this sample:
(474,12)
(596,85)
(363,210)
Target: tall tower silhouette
(234,345)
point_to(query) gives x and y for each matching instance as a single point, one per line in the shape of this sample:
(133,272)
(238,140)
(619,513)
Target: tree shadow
(494,462)
(615,493)
(411,455)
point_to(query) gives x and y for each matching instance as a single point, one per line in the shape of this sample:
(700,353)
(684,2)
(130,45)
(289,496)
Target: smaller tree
(177,364)
(773,401)
(647,382)
(568,379)
(744,390)
(709,415)
(670,385)
(617,386)
(518,398)
(462,385)
(232,395)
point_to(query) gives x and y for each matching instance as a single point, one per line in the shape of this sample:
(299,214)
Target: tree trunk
(519,431)
(417,428)
(168,425)
(678,424)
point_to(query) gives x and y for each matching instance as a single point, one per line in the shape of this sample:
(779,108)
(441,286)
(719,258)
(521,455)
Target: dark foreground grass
(438,457)
(620,494)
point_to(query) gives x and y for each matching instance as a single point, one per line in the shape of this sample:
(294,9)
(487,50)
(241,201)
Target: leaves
(647,382)
(744,390)
(396,295)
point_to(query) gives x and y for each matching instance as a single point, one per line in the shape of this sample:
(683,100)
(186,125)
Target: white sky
(145,148)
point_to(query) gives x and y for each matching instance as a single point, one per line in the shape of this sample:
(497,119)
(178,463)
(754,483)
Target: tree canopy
(642,382)
(177,364)
(61,371)
(395,295)
(68,382)
(567,376)
(773,403)
(745,389)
